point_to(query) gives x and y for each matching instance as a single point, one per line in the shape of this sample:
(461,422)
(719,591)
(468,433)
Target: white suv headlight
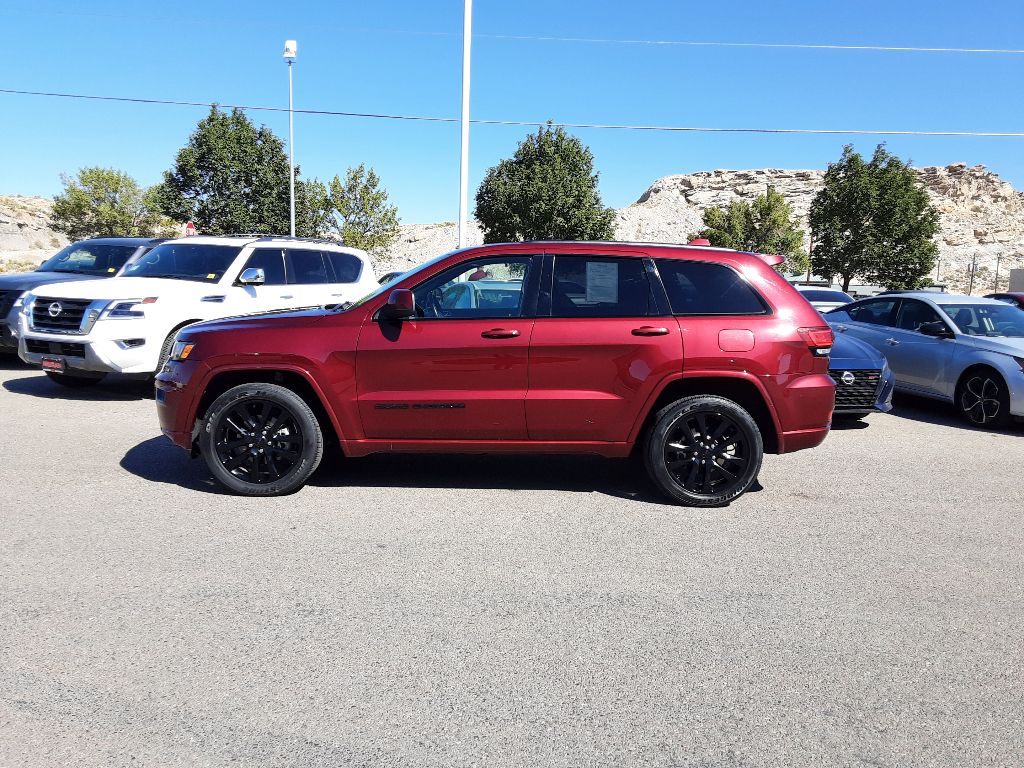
(128,307)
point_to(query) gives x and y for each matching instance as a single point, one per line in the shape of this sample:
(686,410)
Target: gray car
(962,349)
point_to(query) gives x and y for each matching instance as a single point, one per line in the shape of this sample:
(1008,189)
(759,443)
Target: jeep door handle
(649,330)
(892,342)
(500,333)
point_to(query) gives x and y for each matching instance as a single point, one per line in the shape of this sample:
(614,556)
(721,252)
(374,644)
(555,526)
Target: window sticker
(111,269)
(602,282)
(211,276)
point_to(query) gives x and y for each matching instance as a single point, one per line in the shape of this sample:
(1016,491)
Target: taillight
(818,340)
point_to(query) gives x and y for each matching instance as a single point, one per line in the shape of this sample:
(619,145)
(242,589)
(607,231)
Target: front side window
(271,262)
(873,312)
(986,319)
(479,289)
(706,288)
(185,261)
(600,286)
(89,259)
(913,314)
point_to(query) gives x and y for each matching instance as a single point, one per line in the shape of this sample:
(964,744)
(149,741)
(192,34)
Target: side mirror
(252,276)
(938,329)
(401,305)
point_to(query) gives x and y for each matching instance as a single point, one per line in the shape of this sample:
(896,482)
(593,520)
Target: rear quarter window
(706,288)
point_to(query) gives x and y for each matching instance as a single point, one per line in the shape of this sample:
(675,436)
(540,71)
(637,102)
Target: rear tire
(261,440)
(983,399)
(75,381)
(703,451)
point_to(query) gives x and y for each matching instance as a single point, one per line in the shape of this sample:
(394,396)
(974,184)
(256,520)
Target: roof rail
(264,237)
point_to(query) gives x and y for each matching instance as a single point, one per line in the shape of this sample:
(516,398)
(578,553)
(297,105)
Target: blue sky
(404,57)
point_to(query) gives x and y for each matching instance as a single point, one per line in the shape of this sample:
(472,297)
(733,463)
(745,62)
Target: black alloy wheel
(261,440)
(983,399)
(704,450)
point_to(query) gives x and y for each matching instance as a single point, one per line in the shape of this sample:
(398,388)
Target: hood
(262,320)
(128,288)
(1004,345)
(26,281)
(848,352)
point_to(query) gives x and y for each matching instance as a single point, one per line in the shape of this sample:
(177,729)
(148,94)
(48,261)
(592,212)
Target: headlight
(182,349)
(128,307)
(23,301)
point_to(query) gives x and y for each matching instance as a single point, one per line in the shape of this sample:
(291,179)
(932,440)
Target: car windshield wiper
(71,271)
(339,307)
(172,277)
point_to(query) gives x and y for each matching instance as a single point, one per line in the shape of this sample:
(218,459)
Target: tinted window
(306,267)
(90,258)
(913,314)
(823,295)
(704,288)
(477,289)
(595,286)
(874,312)
(346,266)
(206,263)
(271,262)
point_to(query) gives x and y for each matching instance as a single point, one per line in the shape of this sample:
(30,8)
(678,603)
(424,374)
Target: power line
(525,123)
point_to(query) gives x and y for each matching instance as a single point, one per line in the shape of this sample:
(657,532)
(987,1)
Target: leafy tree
(766,226)
(103,202)
(232,177)
(312,209)
(359,211)
(546,191)
(873,220)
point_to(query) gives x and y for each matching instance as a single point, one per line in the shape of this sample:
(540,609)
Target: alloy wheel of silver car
(981,399)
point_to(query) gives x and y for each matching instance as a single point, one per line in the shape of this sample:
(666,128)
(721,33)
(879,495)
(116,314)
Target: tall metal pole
(467,37)
(974,268)
(996,286)
(291,152)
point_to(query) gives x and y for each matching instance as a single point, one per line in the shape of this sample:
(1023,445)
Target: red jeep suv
(701,359)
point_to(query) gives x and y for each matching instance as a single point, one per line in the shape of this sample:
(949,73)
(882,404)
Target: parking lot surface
(865,607)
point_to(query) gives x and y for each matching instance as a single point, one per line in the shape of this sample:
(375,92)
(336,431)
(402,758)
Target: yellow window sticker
(211,276)
(111,269)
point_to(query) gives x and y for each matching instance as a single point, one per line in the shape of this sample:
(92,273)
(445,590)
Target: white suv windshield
(185,261)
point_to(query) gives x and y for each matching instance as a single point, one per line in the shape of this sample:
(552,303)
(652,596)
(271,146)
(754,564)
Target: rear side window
(596,286)
(306,267)
(346,266)
(271,262)
(877,312)
(705,288)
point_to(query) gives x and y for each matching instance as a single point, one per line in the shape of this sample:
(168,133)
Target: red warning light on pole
(190,230)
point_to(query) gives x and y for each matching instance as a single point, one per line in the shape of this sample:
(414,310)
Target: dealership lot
(864,607)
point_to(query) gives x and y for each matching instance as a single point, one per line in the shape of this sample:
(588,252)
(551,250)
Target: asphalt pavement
(865,606)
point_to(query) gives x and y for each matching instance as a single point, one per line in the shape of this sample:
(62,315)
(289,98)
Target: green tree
(873,220)
(766,226)
(103,202)
(359,211)
(231,177)
(546,191)
(312,209)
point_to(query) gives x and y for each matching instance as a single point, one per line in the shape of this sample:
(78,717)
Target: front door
(919,361)
(599,348)
(458,370)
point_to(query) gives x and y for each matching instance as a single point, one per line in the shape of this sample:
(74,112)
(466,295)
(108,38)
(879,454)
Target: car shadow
(159,461)
(845,425)
(112,388)
(928,411)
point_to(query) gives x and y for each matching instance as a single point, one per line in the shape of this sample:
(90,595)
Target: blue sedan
(864,381)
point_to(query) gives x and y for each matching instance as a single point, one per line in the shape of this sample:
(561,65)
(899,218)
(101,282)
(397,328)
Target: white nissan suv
(78,332)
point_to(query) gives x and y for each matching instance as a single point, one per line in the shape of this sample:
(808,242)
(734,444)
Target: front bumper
(95,352)
(176,400)
(882,400)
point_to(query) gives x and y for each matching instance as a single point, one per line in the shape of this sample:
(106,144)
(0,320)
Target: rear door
(458,371)
(870,321)
(602,343)
(310,278)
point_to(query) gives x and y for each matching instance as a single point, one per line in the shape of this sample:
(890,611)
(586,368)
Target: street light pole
(467,36)
(290,49)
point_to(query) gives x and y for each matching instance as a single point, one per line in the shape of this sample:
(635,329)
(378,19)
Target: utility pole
(995,286)
(290,48)
(467,38)
(974,268)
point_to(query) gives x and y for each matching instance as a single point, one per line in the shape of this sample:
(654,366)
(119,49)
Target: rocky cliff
(25,234)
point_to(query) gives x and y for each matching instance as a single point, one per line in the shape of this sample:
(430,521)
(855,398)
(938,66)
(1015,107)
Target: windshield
(986,319)
(185,261)
(823,295)
(89,259)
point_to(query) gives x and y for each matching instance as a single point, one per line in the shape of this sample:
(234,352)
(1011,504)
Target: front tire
(703,451)
(261,440)
(983,399)
(74,381)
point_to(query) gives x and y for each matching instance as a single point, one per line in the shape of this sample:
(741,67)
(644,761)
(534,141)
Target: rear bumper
(803,405)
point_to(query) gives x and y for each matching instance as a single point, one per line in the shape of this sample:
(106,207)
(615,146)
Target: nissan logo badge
(848,378)
(55,309)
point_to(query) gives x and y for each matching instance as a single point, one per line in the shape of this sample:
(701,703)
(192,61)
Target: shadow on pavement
(159,461)
(841,424)
(112,388)
(928,411)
